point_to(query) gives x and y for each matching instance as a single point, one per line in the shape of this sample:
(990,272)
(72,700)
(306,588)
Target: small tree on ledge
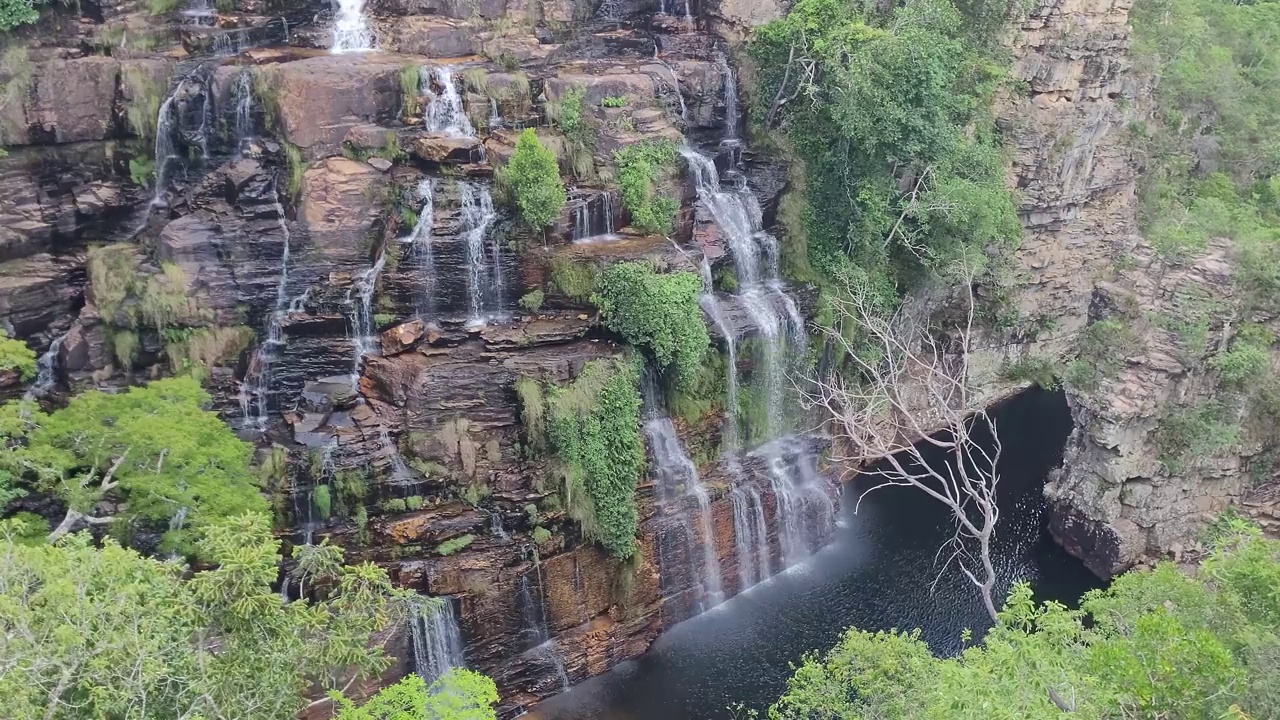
(533,179)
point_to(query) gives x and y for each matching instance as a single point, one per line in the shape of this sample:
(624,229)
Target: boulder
(75,99)
(434,37)
(321,98)
(445,150)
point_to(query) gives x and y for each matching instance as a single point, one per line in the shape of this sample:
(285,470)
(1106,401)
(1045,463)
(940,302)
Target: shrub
(1194,432)
(639,167)
(658,312)
(322,501)
(594,428)
(145,97)
(541,535)
(1248,358)
(576,279)
(296,167)
(453,545)
(533,181)
(16,356)
(614,101)
(532,301)
(410,87)
(568,114)
(532,412)
(1039,370)
(162,7)
(18,12)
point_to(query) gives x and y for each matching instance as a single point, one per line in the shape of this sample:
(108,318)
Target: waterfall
(437,640)
(422,247)
(46,371)
(495,117)
(534,613)
(688,14)
(581,221)
(675,84)
(164,147)
(362,328)
(730,99)
(231,42)
(350,29)
(444,114)
(255,389)
(201,13)
(677,478)
(484,255)
(399,470)
(242,92)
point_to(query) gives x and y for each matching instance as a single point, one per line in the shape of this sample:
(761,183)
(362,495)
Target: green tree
(658,312)
(15,356)
(457,695)
(1159,644)
(640,167)
(104,632)
(147,458)
(18,12)
(534,181)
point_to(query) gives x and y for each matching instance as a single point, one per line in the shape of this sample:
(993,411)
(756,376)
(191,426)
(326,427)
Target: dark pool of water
(879,572)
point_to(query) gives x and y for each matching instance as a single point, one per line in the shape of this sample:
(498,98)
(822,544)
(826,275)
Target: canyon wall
(335,269)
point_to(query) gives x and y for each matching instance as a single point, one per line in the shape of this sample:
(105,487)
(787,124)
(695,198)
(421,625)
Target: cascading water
(534,613)
(360,300)
(484,255)
(242,92)
(165,150)
(350,29)
(677,478)
(495,117)
(46,371)
(422,248)
(802,498)
(255,389)
(445,114)
(437,640)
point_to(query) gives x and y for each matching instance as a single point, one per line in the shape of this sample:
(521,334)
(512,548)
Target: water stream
(445,114)
(350,28)
(422,249)
(485,291)
(437,640)
(47,371)
(255,389)
(878,573)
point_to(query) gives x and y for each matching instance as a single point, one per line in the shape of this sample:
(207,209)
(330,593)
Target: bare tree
(907,408)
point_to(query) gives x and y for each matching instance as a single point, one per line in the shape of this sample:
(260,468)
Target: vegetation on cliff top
(1158,644)
(890,114)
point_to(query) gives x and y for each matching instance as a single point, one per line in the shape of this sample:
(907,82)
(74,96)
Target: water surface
(879,572)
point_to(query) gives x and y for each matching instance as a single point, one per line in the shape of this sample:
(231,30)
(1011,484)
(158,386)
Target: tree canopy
(104,632)
(533,179)
(150,458)
(459,694)
(1157,644)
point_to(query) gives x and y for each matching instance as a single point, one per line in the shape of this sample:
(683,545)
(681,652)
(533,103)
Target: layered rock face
(318,236)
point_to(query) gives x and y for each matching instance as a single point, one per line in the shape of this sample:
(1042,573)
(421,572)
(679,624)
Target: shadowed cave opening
(877,573)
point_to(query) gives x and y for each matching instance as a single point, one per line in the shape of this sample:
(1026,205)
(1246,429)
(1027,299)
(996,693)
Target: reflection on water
(878,573)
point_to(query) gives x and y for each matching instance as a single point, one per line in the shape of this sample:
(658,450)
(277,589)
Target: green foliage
(1248,359)
(162,7)
(568,113)
(1159,644)
(576,279)
(533,413)
(17,357)
(322,501)
(141,170)
(613,101)
(1194,432)
(171,458)
(594,428)
(532,301)
(18,12)
(16,70)
(532,179)
(657,312)
(145,95)
(104,632)
(350,488)
(459,694)
(1212,150)
(640,167)
(1034,369)
(410,89)
(1103,347)
(453,545)
(198,350)
(541,535)
(132,299)
(296,167)
(892,123)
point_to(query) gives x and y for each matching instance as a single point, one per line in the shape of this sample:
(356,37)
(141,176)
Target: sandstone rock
(402,337)
(75,98)
(445,150)
(338,209)
(431,36)
(37,295)
(321,98)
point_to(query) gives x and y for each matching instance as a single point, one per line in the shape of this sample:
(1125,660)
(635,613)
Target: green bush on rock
(640,166)
(15,356)
(533,181)
(593,426)
(658,312)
